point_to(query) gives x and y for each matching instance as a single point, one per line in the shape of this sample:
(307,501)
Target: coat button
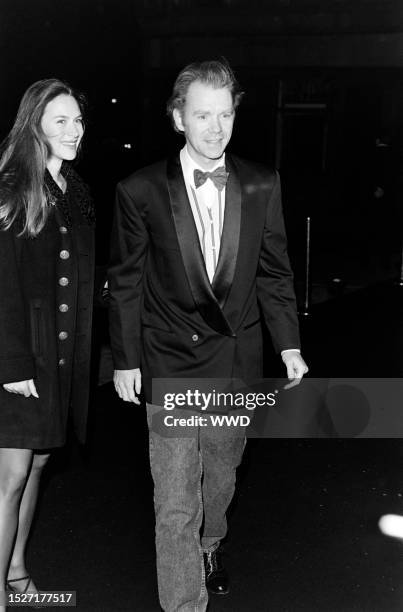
(63,308)
(63,229)
(64,254)
(195,337)
(63,281)
(62,361)
(63,335)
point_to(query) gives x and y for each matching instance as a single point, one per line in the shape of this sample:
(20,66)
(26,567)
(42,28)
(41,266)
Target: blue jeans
(194,478)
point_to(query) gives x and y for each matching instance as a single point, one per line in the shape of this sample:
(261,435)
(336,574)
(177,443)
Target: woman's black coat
(46,292)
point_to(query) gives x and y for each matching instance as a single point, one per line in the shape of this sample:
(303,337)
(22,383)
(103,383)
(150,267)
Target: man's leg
(176,470)
(221,452)
(221,449)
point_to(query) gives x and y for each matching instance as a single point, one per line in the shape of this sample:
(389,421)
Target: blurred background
(324,104)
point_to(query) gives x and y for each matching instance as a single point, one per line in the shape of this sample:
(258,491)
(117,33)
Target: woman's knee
(14,471)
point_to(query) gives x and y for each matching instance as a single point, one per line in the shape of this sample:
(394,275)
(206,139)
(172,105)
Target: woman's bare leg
(15,465)
(17,567)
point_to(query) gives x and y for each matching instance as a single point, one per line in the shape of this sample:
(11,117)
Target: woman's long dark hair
(23,157)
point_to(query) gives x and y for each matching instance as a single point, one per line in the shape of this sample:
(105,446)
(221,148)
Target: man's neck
(206,165)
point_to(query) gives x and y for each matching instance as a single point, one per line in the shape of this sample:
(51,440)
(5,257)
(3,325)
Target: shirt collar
(189,165)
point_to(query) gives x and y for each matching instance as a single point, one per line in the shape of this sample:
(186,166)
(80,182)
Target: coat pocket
(37,328)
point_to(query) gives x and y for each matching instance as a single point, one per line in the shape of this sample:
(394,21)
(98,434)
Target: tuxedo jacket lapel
(224,274)
(202,291)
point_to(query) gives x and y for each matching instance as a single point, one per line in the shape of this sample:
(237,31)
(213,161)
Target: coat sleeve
(129,245)
(16,358)
(275,283)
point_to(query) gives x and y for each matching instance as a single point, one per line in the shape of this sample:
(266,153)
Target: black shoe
(216,575)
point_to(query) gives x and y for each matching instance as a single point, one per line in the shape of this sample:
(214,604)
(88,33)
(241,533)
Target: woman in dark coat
(46,287)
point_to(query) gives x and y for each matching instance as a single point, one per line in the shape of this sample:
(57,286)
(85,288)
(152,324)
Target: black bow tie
(218,176)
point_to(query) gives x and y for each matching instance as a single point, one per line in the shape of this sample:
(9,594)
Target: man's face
(207,119)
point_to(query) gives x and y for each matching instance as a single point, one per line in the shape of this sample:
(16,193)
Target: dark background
(323,80)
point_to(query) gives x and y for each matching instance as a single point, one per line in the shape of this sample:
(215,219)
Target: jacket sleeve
(129,244)
(16,358)
(275,283)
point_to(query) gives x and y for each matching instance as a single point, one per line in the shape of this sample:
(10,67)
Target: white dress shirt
(208,207)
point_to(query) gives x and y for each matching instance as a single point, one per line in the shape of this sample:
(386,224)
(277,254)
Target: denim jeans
(194,479)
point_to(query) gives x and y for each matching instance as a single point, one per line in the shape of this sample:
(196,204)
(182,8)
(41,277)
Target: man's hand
(296,367)
(23,387)
(128,384)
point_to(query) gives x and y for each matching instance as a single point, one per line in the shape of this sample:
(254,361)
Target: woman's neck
(54,166)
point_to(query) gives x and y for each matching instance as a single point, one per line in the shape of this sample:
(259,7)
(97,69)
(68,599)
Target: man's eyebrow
(206,112)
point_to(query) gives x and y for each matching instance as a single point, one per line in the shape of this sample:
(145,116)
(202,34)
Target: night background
(323,104)
(323,81)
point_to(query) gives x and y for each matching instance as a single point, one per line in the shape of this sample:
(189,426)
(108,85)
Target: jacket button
(63,229)
(64,254)
(63,308)
(63,335)
(63,281)
(62,361)
(195,337)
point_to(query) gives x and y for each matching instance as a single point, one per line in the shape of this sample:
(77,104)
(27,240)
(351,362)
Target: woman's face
(62,126)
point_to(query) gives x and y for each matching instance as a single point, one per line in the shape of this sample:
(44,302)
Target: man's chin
(216,154)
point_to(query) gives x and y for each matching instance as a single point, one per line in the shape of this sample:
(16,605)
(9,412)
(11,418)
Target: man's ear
(178,119)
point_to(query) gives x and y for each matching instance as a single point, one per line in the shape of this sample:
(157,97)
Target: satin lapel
(192,256)
(224,274)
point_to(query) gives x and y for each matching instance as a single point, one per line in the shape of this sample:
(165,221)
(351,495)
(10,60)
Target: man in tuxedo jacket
(198,262)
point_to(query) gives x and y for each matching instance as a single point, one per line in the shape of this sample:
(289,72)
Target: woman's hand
(23,387)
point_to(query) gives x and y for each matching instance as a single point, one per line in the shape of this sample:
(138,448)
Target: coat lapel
(202,291)
(224,274)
